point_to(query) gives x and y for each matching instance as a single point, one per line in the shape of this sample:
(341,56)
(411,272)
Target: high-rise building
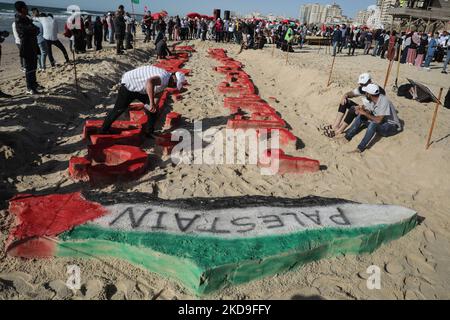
(362,17)
(314,13)
(384,6)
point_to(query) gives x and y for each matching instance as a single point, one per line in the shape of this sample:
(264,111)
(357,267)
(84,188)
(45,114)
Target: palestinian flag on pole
(205,244)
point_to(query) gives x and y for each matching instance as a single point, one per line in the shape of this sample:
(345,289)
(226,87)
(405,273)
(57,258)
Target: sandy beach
(38,136)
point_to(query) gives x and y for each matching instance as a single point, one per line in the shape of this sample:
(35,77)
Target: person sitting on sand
(347,108)
(381,119)
(143,84)
(162,51)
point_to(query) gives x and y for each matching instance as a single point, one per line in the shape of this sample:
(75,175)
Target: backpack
(403,91)
(447,100)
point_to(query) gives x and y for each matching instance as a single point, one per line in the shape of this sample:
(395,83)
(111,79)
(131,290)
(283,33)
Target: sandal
(326,128)
(329,134)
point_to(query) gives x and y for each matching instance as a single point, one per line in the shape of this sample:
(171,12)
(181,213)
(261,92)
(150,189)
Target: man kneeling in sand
(381,119)
(143,84)
(346,111)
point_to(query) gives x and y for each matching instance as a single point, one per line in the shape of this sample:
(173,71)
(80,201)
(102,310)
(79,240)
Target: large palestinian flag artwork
(205,244)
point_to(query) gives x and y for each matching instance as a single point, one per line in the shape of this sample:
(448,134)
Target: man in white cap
(143,84)
(381,119)
(346,111)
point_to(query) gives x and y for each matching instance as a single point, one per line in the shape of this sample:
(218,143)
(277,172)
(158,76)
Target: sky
(290,8)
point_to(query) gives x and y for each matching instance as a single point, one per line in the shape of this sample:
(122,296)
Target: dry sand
(39,135)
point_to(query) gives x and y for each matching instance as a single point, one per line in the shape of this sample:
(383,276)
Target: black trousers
(352,48)
(30,75)
(22,60)
(128,41)
(60,46)
(124,99)
(80,43)
(98,38)
(89,38)
(351,114)
(119,42)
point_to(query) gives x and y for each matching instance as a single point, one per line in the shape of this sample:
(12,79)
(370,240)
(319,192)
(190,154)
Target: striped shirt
(136,80)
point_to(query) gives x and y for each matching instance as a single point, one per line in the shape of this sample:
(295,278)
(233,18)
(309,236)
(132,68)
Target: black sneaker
(5,95)
(444,72)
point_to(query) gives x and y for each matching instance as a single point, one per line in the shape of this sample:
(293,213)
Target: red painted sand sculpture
(251,112)
(117,155)
(40,217)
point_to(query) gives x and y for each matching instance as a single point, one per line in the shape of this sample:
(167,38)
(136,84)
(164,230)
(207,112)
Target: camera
(4,34)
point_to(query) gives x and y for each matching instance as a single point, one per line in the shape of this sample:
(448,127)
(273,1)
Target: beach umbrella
(193,15)
(424,94)
(156,16)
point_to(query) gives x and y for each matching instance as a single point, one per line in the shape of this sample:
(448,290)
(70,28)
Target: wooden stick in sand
(134,27)
(75,70)
(398,68)
(287,53)
(273,47)
(388,72)
(331,71)
(433,123)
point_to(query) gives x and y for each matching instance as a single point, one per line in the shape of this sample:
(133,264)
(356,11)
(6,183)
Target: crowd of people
(416,48)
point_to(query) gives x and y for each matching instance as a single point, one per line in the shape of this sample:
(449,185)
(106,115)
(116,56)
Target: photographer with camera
(3,35)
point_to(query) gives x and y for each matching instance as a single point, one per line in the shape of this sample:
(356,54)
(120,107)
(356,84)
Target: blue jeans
(447,60)
(383,129)
(42,58)
(428,60)
(335,47)
(111,36)
(376,49)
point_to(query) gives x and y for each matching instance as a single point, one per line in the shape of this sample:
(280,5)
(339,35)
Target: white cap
(181,79)
(364,78)
(372,89)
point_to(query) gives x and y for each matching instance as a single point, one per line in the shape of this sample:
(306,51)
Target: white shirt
(16,35)
(136,80)
(384,107)
(443,41)
(50,28)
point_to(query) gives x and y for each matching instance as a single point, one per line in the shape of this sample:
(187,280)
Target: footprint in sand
(17,282)
(60,288)
(92,289)
(394,268)
(429,236)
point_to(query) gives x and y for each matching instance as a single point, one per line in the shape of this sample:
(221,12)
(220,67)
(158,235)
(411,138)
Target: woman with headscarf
(421,50)
(412,51)
(406,43)
(98,33)
(392,46)
(218,27)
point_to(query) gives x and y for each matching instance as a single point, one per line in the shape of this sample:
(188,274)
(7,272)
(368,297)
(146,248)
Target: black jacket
(120,25)
(98,29)
(27,32)
(159,37)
